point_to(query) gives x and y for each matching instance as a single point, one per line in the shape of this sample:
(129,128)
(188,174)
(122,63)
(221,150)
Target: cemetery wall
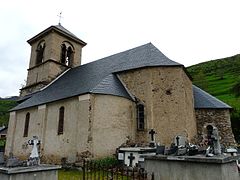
(113,123)
(190,167)
(219,118)
(166,93)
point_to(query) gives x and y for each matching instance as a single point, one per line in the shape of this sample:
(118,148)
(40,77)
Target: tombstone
(160,149)
(13,161)
(216,142)
(173,150)
(180,141)
(152,142)
(182,151)
(131,158)
(34,158)
(192,150)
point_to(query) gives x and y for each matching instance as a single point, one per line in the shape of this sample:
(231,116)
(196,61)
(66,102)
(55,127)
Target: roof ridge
(98,76)
(124,51)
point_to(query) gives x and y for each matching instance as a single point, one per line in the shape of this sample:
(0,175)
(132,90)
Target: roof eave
(230,108)
(53,28)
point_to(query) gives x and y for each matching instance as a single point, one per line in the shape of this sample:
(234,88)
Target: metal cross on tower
(60,17)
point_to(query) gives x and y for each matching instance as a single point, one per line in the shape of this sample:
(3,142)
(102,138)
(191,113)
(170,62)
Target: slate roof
(60,29)
(101,77)
(203,100)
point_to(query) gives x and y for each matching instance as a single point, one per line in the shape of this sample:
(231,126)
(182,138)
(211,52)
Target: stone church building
(90,110)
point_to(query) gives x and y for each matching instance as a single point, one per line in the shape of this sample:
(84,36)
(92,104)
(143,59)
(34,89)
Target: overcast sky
(187,31)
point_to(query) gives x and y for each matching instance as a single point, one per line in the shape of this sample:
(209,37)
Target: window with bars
(26,126)
(61,120)
(140,116)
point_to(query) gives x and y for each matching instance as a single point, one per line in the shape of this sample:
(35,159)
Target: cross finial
(60,17)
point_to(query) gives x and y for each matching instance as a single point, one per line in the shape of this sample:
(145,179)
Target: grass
(78,175)
(218,77)
(69,174)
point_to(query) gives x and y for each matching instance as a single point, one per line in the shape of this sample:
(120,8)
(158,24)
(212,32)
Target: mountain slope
(218,77)
(5,105)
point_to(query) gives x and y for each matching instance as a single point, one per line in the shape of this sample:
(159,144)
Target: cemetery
(182,160)
(15,169)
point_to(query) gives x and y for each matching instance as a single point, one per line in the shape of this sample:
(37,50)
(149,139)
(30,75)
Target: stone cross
(216,141)
(152,133)
(131,158)
(34,156)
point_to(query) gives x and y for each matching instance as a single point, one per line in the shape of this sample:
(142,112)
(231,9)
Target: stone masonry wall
(219,118)
(42,74)
(166,93)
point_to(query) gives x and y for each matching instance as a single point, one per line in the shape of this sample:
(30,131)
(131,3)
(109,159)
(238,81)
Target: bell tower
(53,51)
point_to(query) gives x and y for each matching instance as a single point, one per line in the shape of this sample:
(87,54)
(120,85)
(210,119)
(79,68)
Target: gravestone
(213,141)
(34,158)
(16,169)
(160,149)
(13,161)
(131,158)
(180,141)
(216,141)
(152,134)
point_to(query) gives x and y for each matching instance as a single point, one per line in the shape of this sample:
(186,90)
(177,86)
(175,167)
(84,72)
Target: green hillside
(5,105)
(221,78)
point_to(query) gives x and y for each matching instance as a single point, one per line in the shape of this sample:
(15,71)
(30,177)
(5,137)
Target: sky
(186,31)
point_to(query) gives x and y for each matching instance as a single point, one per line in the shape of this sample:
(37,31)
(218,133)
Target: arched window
(26,126)
(63,53)
(67,52)
(69,56)
(140,116)
(40,52)
(61,120)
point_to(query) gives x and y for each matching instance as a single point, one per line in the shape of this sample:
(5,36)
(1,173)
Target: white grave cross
(34,153)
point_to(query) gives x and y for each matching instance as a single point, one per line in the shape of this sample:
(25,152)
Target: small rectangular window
(61,121)
(26,126)
(140,116)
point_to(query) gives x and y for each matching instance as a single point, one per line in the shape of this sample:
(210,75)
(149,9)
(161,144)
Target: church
(90,110)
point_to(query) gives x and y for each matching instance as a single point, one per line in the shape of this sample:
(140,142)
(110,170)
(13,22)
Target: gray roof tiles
(60,29)
(99,76)
(203,100)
